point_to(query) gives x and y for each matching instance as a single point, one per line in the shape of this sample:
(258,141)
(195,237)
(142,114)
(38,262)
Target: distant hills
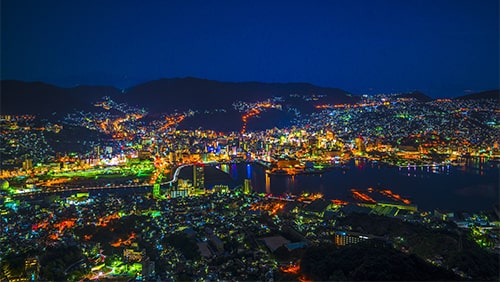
(164,95)
(195,93)
(181,94)
(18,97)
(417,95)
(491,94)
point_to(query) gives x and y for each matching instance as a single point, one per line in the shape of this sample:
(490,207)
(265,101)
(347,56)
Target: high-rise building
(198,176)
(32,268)
(28,164)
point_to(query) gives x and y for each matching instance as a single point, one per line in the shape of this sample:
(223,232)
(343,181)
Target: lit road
(121,186)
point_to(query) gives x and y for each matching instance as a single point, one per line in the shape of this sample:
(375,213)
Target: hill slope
(419,96)
(193,93)
(491,94)
(164,95)
(18,97)
(211,100)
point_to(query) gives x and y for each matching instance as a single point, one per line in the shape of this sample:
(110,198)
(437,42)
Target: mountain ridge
(19,97)
(489,94)
(162,95)
(202,93)
(177,94)
(419,96)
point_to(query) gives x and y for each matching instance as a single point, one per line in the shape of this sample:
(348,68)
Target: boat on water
(280,172)
(296,171)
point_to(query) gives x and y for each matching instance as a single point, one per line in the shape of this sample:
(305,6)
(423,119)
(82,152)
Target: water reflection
(249,171)
(291,184)
(234,171)
(426,170)
(268,182)
(429,186)
(225,168)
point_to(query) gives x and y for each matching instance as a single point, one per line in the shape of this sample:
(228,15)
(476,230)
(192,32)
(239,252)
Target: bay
(471,187)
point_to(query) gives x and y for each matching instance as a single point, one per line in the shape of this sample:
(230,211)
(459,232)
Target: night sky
(442,48)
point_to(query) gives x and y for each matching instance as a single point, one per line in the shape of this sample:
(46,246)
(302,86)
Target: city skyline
(249,141)
(112,190)
(442,49)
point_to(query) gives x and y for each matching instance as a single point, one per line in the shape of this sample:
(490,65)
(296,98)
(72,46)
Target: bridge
(157,186)
(176,174)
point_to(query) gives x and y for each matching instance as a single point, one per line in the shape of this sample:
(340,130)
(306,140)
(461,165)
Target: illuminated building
(28,164)
(184,189)
(268,183)
(133,255)
(97,151)
(198,176)
(342,238)
(330,135)
(360,145)
(316,208)
(144,155)
(78,198)
(171,157)
(287,163)
(391,209)
(32,268)
(220,189)
(442,215)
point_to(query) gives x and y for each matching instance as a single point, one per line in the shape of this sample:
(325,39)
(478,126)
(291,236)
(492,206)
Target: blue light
(249,171)
(234,171)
